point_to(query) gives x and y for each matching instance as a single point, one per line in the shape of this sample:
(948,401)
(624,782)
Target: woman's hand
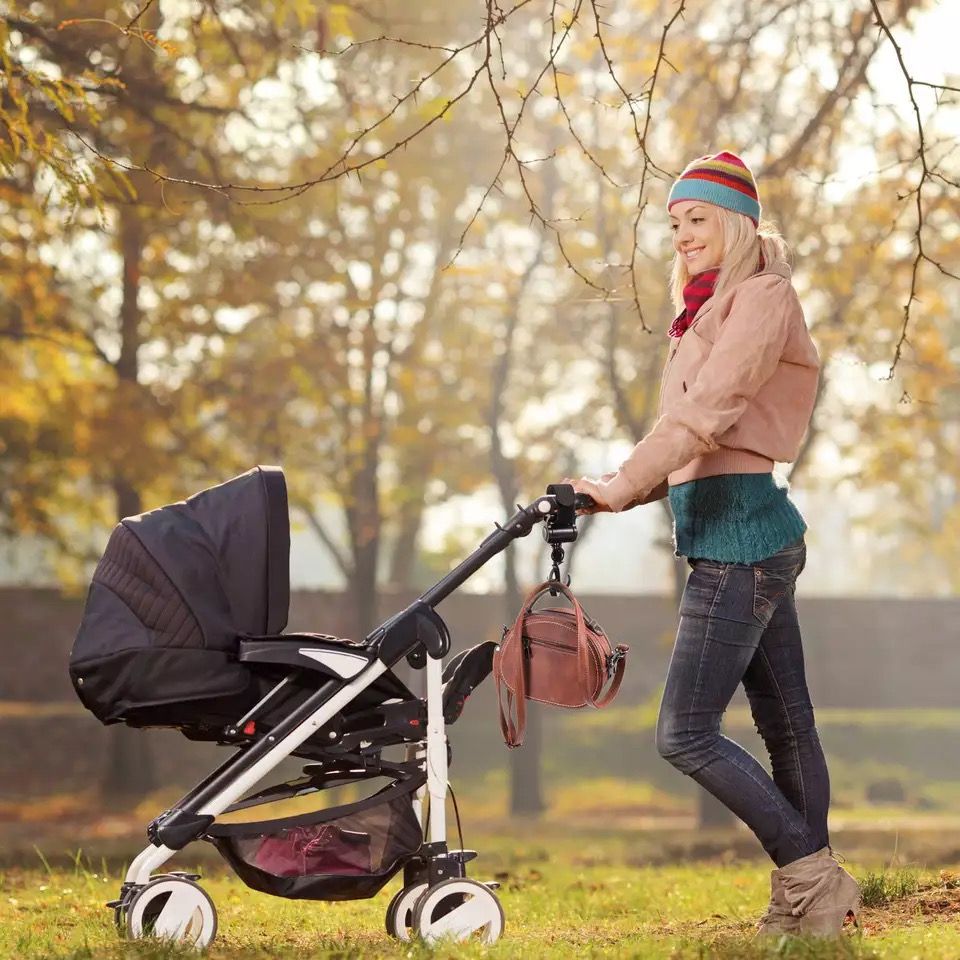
(590,486)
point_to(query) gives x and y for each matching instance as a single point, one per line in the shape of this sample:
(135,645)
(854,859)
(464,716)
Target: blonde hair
(742,246)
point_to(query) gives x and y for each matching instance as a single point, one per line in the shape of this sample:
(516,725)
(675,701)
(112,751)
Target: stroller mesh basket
(342,853)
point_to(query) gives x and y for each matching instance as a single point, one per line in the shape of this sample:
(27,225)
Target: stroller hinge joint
(176,828)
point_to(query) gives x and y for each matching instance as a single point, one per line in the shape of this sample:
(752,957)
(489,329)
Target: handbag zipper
(599,658)
(527,642)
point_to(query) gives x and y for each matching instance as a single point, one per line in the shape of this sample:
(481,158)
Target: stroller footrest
(463,674)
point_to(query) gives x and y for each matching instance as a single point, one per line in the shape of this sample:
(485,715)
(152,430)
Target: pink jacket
(736,394)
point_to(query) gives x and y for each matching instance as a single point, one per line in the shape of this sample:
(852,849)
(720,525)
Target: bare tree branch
(917,193)
(486,55)
(139,14)
(648,164)
(851,74)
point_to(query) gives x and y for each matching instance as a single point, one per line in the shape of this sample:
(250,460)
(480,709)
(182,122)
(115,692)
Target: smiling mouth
(690,254)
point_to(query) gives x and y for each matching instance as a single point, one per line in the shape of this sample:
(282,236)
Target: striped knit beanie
(723,180)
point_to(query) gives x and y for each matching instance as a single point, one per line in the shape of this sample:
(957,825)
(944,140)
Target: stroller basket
(341,853)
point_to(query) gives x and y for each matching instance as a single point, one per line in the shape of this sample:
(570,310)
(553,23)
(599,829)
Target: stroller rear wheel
(399,920)
(173,909)
(461,909)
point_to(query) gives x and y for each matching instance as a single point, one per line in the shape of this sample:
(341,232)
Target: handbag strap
(512,732)
(511,654)
(509,659)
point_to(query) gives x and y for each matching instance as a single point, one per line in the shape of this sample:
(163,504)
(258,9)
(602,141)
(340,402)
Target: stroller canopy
(174,590)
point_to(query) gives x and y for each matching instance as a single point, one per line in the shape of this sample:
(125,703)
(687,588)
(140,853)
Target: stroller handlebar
(557,508)
(567,497)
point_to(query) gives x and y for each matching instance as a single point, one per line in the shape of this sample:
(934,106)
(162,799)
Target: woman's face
(697,234)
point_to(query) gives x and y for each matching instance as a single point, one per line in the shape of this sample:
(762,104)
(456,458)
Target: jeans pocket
(768,591)
(774,576)
(703,586)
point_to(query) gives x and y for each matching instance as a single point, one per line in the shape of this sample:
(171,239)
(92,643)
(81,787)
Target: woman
(736,395)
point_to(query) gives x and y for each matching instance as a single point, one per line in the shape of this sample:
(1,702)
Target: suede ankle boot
(820,893)
(779,918)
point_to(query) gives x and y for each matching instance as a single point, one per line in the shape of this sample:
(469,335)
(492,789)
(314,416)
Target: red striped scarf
(695,294)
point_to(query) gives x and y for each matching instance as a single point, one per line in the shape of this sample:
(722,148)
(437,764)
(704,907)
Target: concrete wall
(860,653)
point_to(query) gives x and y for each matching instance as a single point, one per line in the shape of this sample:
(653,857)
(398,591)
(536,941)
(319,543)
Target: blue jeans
(738,623)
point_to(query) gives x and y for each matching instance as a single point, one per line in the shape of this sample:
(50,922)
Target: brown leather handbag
(557,656)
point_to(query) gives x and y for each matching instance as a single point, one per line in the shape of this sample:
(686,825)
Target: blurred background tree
(108,288)
(408,257)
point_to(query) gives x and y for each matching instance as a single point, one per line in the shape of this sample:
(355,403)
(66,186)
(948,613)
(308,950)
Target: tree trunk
(711,813)
(363,523)
(130,770)
(405,547)
(363,590)
(526,794)
(128,499)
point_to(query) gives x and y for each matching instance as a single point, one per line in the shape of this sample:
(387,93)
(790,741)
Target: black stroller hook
(556,556)
(560,528)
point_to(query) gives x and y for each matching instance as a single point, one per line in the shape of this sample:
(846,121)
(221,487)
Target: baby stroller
(183,628)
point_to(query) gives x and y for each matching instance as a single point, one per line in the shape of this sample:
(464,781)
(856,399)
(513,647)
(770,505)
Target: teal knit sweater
(734,518)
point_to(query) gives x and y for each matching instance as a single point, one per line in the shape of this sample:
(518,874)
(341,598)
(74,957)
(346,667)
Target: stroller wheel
(399,920)
(459,908)
(174,909)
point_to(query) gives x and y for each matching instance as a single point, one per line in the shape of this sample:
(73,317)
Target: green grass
(884,887)
(583,896)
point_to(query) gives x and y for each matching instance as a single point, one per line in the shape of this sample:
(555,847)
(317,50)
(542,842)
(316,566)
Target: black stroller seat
(172,594)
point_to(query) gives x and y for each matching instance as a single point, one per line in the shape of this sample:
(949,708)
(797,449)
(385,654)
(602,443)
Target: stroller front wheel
(399,920)
(461,909)
(172,909)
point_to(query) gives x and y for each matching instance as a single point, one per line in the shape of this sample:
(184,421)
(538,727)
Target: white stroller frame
(434,902)
(434,749)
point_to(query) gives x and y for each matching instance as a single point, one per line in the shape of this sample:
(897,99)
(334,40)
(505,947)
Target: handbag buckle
(614,659)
